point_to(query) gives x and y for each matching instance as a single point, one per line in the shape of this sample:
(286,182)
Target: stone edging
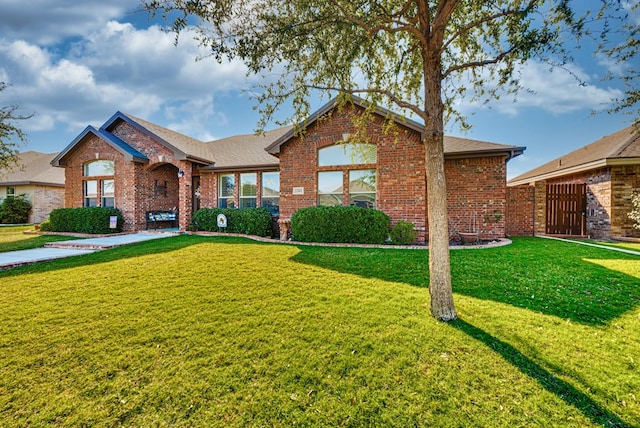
(502,242)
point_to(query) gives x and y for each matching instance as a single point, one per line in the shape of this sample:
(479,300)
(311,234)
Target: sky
(75,63)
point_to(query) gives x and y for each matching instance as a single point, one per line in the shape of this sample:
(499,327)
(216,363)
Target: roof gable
(129,152)
(182,146)
(454,147)
(619,148)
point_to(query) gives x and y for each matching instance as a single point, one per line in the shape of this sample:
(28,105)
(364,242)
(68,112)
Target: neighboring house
(38,180)
(585,193)
(138,167)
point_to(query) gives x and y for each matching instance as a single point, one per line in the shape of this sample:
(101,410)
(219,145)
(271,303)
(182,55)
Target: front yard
(201,331)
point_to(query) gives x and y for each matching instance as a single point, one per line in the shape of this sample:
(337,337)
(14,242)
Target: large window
(330,188)
(227,184)
(362,188)
(362,182)
(347,154)
(99,190)
(271,192)
(248,184)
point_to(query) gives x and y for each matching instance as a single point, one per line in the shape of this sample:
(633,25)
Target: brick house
(584,193)
(284,171)
(42,184)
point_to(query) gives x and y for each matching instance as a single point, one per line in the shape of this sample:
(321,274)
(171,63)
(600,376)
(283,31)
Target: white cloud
(47,22)
(556,91)
(117,67)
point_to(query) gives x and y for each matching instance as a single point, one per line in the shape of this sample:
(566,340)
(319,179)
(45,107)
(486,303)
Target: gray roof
(619,148)
(245,151)
(454,147)
(183,146)
(35,169)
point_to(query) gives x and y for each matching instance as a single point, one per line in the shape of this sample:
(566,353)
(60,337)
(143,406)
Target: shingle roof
(36,169)
(622,147)
(184,146)
(245,151)
(454,147)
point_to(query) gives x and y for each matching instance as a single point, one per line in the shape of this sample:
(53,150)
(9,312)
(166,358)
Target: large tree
(11,136)
(619,41)
(413,56)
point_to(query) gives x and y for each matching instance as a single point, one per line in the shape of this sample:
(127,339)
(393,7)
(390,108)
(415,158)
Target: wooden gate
(566,209)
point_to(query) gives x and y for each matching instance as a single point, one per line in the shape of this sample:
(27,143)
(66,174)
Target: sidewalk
(76,247)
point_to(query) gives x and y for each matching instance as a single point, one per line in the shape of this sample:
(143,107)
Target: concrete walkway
(76,247)
(591,244)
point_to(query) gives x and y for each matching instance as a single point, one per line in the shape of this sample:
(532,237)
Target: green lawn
(203,331)
(13,238)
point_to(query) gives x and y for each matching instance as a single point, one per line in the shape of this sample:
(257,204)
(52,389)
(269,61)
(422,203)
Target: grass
(13,238)
(195,331)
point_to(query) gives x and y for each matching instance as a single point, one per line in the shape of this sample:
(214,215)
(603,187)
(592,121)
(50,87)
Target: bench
(162,216)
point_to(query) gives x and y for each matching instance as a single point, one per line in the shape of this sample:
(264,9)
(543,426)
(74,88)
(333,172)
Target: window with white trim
(270,195)
(226,187)
(362,188)
(99,187)
(357,162)
(248,188)
(330,188)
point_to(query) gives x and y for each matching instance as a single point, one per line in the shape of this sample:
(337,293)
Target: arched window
(100,184)
(347,154)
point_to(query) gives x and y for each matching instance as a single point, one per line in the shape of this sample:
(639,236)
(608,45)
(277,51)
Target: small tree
(635,212)
(8,130)
(15,210)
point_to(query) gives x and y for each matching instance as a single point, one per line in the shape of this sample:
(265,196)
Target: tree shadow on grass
(550,277)
(144,248)
(563,390)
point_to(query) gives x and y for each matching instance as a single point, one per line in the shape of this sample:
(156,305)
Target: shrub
(249,221)
(403,233)
(15,210)
(340,224)
(83,220)
(635,212)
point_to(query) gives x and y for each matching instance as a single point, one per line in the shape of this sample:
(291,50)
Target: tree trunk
(442,307)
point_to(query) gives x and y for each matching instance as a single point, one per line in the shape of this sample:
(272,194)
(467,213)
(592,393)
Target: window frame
(271,202)
(338,196)
(226,201)
(97,179)
(250,200)
(353,194)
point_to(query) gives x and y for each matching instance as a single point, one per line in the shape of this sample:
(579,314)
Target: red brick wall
(520,210)
(476,195)
(608,201)
(135,190)
(476,186)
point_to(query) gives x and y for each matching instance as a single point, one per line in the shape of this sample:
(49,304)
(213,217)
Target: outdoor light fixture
(180,173)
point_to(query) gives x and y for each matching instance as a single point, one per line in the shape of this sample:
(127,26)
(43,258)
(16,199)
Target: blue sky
(75,63)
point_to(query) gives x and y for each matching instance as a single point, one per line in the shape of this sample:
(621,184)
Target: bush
(83,220)
(340,224)
(249,221)
(15,210)
(403,233)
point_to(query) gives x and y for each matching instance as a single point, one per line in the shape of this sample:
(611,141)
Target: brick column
(185,204)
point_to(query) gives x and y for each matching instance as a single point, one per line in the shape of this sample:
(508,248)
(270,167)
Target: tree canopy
(412,56)
(11,136)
